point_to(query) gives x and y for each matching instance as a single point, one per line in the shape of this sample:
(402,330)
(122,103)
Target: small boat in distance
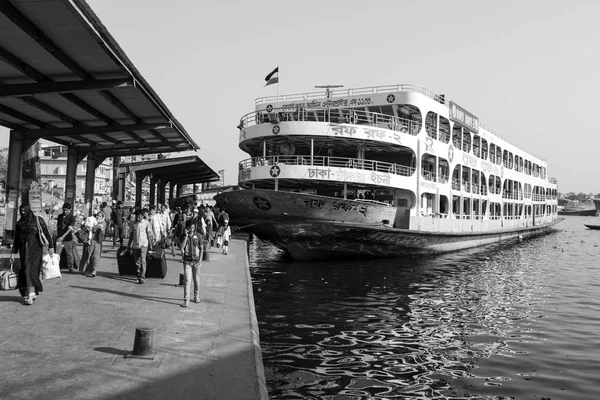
(383,172)
(578,211)
(595,227)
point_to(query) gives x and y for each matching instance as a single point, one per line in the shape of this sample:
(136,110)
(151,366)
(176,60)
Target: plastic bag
(51,266)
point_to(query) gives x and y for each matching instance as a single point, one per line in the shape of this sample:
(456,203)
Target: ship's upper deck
(361,97)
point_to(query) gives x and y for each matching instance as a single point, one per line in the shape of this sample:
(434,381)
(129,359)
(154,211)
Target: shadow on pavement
(112,350)
(136,296)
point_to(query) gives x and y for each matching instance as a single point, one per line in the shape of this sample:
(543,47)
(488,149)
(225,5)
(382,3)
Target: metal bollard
(143,343)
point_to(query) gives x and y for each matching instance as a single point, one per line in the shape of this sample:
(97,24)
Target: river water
(518,321)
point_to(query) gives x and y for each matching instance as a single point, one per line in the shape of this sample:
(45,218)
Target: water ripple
(496,323)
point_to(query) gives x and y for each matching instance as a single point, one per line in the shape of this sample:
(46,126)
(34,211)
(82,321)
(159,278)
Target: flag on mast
(273,77)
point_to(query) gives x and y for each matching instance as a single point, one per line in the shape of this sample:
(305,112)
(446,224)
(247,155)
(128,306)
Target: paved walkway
(71,343)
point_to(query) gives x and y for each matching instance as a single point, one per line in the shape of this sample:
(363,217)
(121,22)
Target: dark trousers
(118,232)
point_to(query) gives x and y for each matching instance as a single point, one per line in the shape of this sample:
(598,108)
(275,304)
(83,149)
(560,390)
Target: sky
(528,69)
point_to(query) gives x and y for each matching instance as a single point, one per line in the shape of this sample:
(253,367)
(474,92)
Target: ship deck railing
(337,92)
(336,115)
(329,161)
(307,98)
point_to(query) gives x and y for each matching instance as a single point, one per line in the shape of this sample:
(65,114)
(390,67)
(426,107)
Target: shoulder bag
(43,240)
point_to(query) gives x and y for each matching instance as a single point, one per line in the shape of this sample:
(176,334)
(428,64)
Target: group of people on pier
(190,229)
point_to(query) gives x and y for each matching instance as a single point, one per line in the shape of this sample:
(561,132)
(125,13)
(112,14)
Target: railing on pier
(327,161)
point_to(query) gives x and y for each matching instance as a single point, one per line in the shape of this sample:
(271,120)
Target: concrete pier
(71,343)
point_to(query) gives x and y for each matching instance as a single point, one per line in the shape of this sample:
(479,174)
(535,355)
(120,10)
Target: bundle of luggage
(8,279)
(156,263)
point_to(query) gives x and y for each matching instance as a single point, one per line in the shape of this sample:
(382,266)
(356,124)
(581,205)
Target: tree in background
(3,165)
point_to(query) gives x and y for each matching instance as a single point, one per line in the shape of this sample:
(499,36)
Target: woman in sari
(29,244)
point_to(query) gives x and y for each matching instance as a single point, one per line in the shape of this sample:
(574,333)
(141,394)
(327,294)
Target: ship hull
(305,237)
(327,240)
(252,205)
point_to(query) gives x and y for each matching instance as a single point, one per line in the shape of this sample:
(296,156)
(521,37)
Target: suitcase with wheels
(125,262)
(156,264)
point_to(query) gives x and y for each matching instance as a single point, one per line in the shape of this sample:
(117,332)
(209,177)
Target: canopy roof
(64,78)
(178,171)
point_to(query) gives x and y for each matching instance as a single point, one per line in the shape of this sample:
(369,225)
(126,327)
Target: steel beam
(30,89)
(89,130)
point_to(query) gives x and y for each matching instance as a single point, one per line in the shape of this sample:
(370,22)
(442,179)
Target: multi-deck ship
(383,172)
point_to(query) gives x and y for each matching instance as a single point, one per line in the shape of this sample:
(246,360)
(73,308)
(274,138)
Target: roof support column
(162,185)
(71,178)
(171,191)
(90,180)
(179,189)
(16,146)
(116,178)
(139,179)
(152,200)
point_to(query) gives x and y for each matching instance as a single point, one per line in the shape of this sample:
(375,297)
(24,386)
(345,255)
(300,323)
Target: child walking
(226,237)
(191,254)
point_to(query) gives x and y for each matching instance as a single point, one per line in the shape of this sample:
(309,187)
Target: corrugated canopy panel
(181,170)
(64,78)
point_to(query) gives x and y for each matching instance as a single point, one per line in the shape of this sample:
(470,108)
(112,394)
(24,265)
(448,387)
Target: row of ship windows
(438,127)
(477,209)
(472,180)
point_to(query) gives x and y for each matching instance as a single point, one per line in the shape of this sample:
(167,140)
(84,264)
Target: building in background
(53,168)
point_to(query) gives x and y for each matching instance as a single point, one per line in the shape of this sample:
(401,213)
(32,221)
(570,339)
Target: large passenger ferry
(383,172)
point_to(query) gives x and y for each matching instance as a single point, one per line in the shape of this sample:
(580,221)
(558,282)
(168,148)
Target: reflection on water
(465,325)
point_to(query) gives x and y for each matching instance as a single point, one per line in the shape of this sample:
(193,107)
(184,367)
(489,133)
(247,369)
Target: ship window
(475,181)
(456,206)
(484,149)
(482,184)
(456,178)
(457,136)
(498,155)
(411,116)
(466,142)
(443,209)
(521,164)
(466,183)
(477,146)
(476,211)
(492,153)
(498,185)
(510,160)
(491,183)
(483,207)
(443,170)
(444,134)
(466,207)
(428,167)
(431,123)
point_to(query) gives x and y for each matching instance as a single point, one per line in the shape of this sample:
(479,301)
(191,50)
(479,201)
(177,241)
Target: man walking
(117,217)
(65,227)
(138,243)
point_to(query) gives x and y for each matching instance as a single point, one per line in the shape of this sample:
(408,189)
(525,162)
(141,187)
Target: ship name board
(363,101)
(463,117)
